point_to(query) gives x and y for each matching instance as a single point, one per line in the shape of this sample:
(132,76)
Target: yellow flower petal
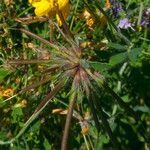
(33,1)
(65,12)
(62,4)
(42,8)
(30,1)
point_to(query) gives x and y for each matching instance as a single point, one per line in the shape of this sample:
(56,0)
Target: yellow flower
(48,8)
(90,22)
(8,92)
(108,4)
(85,128)
(88,18)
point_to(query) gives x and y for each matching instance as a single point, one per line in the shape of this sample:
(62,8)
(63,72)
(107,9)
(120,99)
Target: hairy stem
(24,62)
(39,38)
(68,123)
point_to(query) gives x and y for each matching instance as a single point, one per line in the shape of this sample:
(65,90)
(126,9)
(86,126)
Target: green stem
(140,14)
(91,144)
(86,142)
(23,12)
(71,24)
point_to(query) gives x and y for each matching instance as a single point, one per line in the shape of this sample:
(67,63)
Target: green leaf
(144,109)
(126,98)
(134,55)
(102,139)
(16,114)
(117,46)
(35,127)
(47,146)
(117,59)
(98,66)
(3,73)
(78,26)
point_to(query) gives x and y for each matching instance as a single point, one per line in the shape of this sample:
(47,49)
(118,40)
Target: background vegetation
(114,115)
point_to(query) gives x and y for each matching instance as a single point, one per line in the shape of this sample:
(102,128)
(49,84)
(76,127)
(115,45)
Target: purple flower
(145,23)
(124,24)
(116,7)
(146,18)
